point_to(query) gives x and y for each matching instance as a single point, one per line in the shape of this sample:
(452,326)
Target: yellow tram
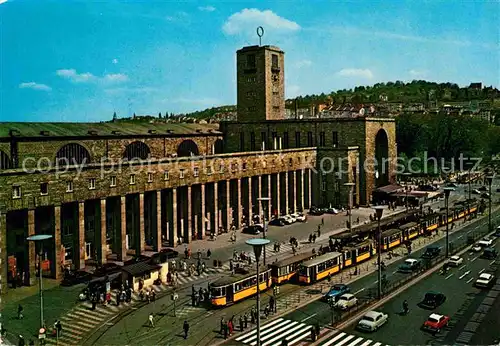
(357,253)
(286,270)
(231,289)
(391,238)
(320,267)
(410,230)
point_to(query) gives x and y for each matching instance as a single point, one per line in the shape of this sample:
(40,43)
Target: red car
(435,323)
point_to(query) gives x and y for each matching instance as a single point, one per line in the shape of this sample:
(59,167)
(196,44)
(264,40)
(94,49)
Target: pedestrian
(231,265)
(245,318)
(21,341)
(151,320)
(209,253)
(118,297)
(153,295)
(20,312)
(322,222)
(230,326)
(314,238)
(310,238)
(222,324)
(185,327)
(226,330)
(241,323)
(319,232)
(58,327)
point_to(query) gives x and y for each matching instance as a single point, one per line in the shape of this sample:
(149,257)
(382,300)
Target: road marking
(468,281)
(361,290)
(449,276)
(469,232)
(462,267)
(472,260)
(482,270)
(492,262)
(305,319)
(460,237)
(394,272)
(331,341)
(375,282)
(464,274)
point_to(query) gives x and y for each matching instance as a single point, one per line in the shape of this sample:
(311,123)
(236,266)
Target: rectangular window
(150,177)
(44,189)
(196,171)
(166,176)
(251,61)
(92,184)
(69,186)
(297,139)
(335,139)
(322,139)
(112,182)
(263,140)
(252,141)
(181,174)
(252,109)
(251,79)
(310,139)
(67,230)
(132,179)
(242,141)
(285,140)
(274,61)
(16,191)
(244,166)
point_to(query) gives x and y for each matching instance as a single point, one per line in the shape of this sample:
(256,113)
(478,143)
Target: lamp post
(40,238)
(490,181)
(447,191)
(262,200)
(350,186)
(379,210)
(407,175)
(257,245)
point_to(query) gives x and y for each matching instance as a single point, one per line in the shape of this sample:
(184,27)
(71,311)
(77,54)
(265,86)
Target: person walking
(245,318)
(209,253)
(222,325)
(185,327)
(241,323)
(151,320)
(20,312)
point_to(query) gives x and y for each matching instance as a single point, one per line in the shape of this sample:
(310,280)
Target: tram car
(410,230)
(286,270)
(231,289)
(356,253)
(320,267)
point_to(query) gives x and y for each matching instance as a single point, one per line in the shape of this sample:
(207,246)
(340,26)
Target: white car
(346,301)
(299,217)
(485,280)
(288,219)
(455,261)
(485,242)
(372,321)
(477,248)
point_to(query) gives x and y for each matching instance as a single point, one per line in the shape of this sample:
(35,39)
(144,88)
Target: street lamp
(261,201)
(407,174)
(40,238)
(350,186)
(447,191)
(379,210)
(490,181)
(257,245)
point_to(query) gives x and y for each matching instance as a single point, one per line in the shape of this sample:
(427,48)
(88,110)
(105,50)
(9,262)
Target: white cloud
(35,86)
(114,61)
(87,77)
(356,72)
(206,8)
(249,18)
(303,63)
(3,1)
(417,73)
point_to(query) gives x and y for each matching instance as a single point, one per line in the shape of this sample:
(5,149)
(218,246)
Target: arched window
(73,154)
(218,146)
(5,162)
(136,150)
(187,148)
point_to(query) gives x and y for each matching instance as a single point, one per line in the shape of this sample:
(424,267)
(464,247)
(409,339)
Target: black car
(277,222)
(483,188)
(137,259)
(432,300)
(107,268)
(75,277)
(316,211)
(170,253)
(253,229)
(489,253)
(432,251)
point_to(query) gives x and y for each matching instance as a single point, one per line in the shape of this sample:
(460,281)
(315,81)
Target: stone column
(31,244)
(189,217)
(269,194)
(142,233)
(104,247)
(294,183)
(158,222)
(238,205)
(278,192)
(309,191)
(203,212)
(81,235)
(250,210)
(57,242)
(259,192)
(216,207)
(122,254)
(174,216)
(286,193)
(4,264)
(302,176)
(228,207)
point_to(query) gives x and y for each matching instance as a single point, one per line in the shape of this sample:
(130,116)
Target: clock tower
(260,83)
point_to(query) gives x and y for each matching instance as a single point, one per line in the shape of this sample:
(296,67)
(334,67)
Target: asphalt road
(393,333)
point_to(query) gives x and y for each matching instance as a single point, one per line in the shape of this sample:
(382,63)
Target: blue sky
(81,61)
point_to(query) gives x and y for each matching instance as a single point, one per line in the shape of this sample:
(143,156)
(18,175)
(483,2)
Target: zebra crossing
(345,339)
(273,333)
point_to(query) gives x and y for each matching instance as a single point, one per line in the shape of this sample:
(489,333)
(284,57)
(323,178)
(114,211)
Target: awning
(389,188)
(140,268)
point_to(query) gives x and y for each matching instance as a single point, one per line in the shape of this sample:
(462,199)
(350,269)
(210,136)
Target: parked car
(435,323)
(288,220)
(476,192)
(431,252)
(171,253)
(489,253)
(432,300)
(455,261)
(75,277)
(253,229)
(332,211)
(316,211)
(485,195)
(483,188)
(372,321)
(485,280)
(280,221)
(346,301)
(409,265)
(336,291)
(485,242)
(299,217)
(477,248)
(109,268)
